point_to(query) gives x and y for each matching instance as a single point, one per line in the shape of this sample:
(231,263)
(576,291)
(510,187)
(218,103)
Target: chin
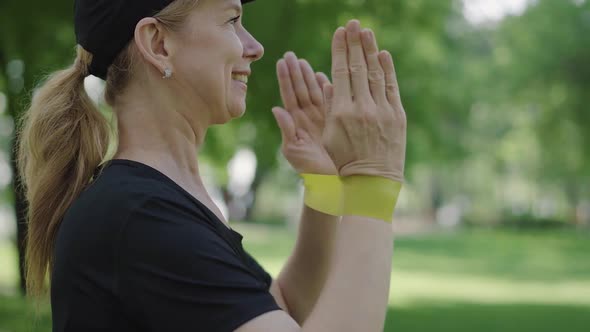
(238,110)
(230,114)
(237,115)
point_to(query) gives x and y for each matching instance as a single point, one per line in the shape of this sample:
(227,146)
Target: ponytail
(63,139)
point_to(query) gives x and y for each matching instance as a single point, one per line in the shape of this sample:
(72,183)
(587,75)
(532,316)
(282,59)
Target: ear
(153,43)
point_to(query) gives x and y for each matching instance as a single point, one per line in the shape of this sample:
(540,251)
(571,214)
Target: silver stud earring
(167,73)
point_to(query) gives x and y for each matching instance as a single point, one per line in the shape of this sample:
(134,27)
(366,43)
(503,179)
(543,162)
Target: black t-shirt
(136,252)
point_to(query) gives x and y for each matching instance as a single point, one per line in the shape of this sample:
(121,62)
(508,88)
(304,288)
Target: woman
(136,244)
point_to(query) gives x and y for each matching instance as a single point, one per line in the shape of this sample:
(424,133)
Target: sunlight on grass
(487,267)
(408,287)
(9,267)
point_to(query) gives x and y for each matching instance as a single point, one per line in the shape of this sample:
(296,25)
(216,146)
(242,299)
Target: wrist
(370,196)
(323,193)
(360,195)
(373,168)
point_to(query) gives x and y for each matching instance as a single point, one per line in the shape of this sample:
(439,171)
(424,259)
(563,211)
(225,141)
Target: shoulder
(129,179)
(121,187)
(168,224)
(122,193)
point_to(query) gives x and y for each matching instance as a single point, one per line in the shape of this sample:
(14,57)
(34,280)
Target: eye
(235,20)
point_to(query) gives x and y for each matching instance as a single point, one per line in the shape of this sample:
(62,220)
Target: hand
(365,131)
(302,120)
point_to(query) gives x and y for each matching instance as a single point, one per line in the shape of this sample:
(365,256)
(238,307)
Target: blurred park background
(493,225)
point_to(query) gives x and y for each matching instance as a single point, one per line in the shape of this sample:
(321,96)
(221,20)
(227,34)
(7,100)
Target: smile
(240,78)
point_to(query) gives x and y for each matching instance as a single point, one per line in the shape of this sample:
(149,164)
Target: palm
(302,120)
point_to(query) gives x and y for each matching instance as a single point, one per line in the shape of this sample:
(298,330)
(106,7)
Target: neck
(155,134)
(152,132)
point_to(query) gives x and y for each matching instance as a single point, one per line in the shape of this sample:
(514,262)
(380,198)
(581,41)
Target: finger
(391,85)
(328,96)
(357,62)
(314,89)
(340,70)
(286,88)
(375,71)
(286,124)
(297,80)
(322,79)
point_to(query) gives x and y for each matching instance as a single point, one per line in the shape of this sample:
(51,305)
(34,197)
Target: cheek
(234,45)
(203,68)
(206,65)
(225,45)
(213,60)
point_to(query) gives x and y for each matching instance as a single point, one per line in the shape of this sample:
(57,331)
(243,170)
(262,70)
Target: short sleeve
(266,276)
(176,273)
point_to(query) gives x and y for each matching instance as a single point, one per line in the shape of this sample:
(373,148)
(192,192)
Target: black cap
(104,27)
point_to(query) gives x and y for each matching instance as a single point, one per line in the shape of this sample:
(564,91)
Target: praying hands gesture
(357,126)
(302,120)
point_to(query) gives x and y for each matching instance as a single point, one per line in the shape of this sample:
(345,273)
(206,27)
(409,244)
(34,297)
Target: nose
(253,50)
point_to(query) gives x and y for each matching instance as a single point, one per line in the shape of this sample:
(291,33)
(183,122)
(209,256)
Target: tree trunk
(436,199)
(572,191)
(13,102)
(258,178)
(20,207)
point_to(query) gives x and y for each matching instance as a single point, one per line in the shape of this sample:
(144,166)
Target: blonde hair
(63,139)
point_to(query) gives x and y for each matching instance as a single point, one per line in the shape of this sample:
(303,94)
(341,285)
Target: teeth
(241,78)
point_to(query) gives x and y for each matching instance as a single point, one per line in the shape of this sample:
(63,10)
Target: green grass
(464,317)
(8,265)
(472,280)
(17,315)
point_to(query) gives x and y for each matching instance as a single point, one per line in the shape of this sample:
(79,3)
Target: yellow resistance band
(369,196)
(360,195)
(323,193)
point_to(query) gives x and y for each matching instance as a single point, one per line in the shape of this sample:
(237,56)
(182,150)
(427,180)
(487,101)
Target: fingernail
(355,21)
(353,25)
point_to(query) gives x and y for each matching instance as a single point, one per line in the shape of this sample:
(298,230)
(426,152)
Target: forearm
(356,292)
(303,277)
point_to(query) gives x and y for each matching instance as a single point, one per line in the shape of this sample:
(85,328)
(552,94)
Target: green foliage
(543,57)
(488,106)
(528,221)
